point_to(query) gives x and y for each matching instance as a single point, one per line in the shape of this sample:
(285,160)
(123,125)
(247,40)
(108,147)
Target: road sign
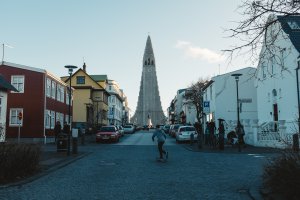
(206,107)
(20,115)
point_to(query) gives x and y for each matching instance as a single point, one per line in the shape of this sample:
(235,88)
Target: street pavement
(129,170)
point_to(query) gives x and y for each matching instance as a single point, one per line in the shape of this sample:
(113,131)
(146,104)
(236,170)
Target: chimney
(84,67)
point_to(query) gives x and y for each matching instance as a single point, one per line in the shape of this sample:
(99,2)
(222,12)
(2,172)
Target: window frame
(22,90)
(80,80)
(19,122)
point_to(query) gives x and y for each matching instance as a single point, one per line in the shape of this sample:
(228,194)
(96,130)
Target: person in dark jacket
(161,138)
(57,129)
(66,128)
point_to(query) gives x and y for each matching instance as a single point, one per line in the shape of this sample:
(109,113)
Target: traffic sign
(20,115)
(206,107)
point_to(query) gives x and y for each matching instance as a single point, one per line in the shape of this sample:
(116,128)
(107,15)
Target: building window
(48,87)
(53,89)
(18,83)
(47,119)
(52,122)
(67,96)
(264,75)
(60,117)
(13,117)
(62,94)
(80,79)
(58,93)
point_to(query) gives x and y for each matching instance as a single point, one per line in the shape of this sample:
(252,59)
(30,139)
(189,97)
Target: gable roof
(6,85)
(291,26)
(99,77)
(34,69)
(81,70)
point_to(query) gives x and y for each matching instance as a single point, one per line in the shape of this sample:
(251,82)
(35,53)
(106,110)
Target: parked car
(173,129)
(166,128)
(121,130)
(108,133)
(128,129)
(184,133)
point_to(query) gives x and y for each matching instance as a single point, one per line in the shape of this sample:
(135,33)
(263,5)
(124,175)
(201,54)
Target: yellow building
(90,99)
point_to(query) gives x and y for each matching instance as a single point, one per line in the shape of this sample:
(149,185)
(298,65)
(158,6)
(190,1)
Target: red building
(42,99)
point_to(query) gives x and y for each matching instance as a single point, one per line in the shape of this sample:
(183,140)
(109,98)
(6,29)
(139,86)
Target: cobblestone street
(129,170)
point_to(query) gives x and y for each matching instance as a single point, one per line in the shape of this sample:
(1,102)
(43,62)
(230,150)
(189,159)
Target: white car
(184,133)
(128,129)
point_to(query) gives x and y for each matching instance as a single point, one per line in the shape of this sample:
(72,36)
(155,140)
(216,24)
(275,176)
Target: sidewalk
(51,160)
(247,149)
(256,191)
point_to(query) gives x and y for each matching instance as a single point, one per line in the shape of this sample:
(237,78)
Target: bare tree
(257,18)
(194,96)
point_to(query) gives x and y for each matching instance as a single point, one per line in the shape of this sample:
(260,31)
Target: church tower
(149,104)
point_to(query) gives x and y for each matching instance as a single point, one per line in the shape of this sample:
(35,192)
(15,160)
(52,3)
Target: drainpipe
(297,79)
(45,80)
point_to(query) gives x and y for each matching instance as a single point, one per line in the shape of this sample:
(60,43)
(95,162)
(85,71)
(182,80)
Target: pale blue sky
(187,38)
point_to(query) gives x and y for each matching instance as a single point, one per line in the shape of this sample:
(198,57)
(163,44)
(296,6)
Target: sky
(110,37)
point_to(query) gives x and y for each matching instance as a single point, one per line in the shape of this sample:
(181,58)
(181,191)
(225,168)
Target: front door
(275,116)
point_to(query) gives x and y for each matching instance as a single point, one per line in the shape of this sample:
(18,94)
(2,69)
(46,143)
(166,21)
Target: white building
(276,83)
(115,103)
(4,88)
(221,95)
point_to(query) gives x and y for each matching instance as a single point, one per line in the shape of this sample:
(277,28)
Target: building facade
(5,87)
(41,98)
(90,100)
(115,103)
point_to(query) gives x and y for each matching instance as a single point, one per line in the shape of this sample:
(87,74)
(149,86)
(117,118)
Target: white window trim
(23,88)
(47,119)
(18,121)
(48,87)
(53,84)
(52,122)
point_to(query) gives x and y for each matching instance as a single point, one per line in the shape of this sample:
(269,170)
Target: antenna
(5,45)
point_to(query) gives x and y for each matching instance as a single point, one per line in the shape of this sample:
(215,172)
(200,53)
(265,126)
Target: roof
(24,67)
(99,77)
(291,26)
(6,85)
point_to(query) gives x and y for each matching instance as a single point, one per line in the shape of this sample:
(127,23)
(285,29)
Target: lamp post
(70,71)
(238,127)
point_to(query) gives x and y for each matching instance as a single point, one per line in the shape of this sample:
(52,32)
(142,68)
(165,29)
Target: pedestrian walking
(206,133)
(221,130)
(57,129)
(161,138)
(212,129)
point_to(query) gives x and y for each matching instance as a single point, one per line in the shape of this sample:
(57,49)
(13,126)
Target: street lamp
(238,128)
(70,71)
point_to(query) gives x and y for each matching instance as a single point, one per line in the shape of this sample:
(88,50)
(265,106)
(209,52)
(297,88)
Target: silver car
(184,133)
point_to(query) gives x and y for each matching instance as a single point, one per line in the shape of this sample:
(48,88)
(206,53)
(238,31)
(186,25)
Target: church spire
(148,48)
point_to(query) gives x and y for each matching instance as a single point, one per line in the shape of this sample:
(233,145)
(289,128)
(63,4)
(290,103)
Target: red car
(108,133)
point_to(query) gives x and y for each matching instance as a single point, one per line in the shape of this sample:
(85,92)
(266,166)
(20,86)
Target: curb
(43,172)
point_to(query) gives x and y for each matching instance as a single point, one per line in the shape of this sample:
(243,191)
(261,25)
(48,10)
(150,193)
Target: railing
(268,131)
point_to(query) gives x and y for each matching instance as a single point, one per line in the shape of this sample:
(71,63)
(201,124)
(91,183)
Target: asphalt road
(129,170)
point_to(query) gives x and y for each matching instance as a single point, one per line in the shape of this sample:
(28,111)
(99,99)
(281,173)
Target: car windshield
(127,126)
(189,128)
(107,129)
(177,126)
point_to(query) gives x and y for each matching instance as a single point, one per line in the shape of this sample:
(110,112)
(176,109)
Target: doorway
(275,116)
